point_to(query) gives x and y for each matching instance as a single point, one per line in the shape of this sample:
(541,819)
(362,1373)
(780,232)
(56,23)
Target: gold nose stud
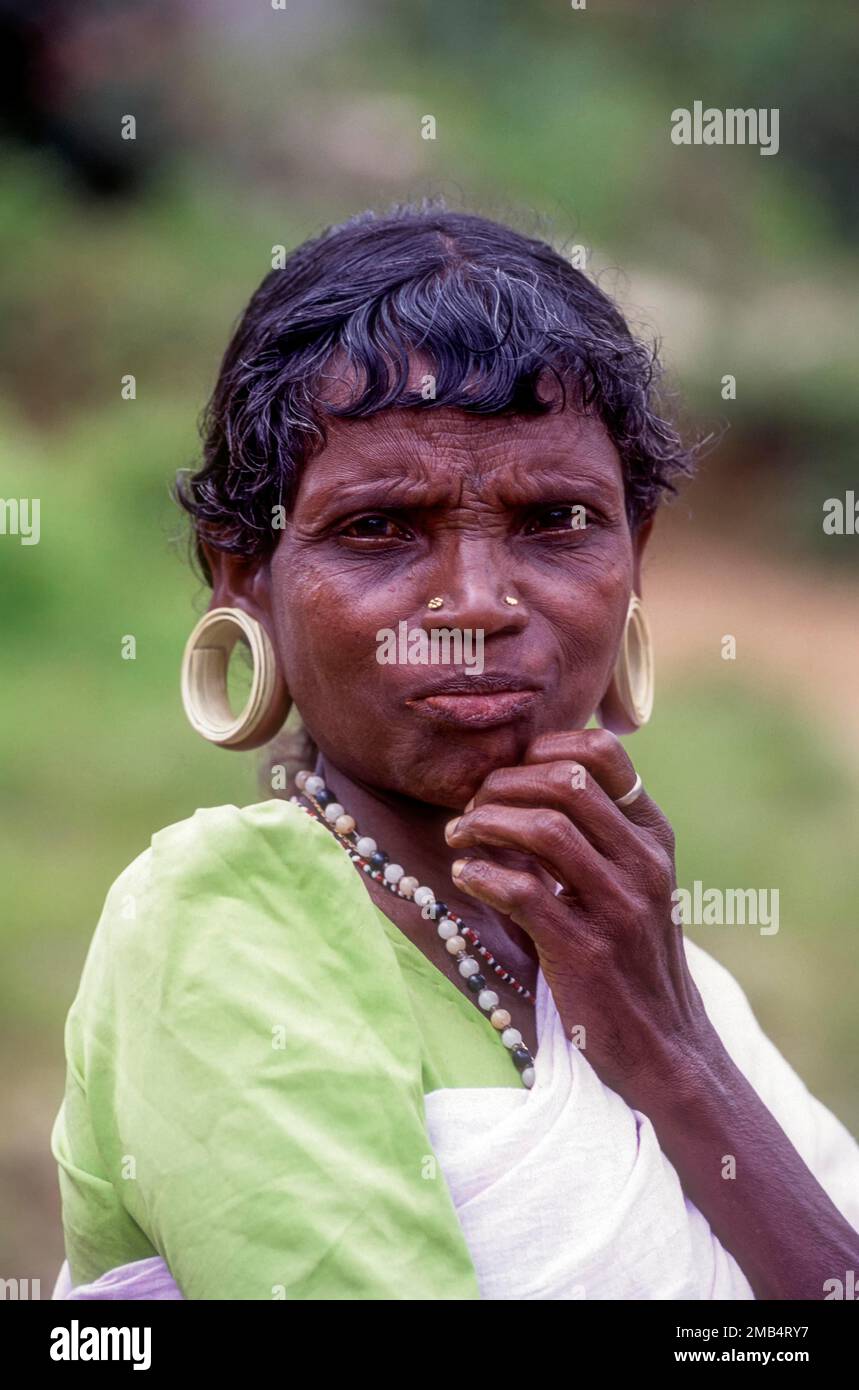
(438,602)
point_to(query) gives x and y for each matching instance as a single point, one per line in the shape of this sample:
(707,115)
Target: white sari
(563,1192)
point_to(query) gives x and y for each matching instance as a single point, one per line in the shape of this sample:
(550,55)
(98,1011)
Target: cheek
(610,589)
(588,621)
(591,602)
(326,627)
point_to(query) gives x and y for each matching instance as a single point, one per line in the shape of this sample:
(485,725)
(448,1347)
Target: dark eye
(563,517)
(374,527)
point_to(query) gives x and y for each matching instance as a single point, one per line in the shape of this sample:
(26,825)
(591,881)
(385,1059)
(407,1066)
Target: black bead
(437,911)
(476,982)
(521,1058)
(378,859)
(324,797)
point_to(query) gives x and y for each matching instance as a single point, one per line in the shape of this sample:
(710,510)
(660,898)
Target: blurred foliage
(270,126)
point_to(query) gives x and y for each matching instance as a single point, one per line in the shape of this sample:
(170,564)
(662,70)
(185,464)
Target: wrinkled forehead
(436,455)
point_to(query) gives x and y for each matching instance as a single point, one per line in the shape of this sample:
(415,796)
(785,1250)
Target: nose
(477,593)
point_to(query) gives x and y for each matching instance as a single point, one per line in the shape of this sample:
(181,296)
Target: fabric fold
(139,1279)
(563,1192)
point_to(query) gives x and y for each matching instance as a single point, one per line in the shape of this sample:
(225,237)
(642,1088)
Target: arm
(773,1216)
(615,962)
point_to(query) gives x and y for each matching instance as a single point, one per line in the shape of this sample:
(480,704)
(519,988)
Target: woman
(421,1025)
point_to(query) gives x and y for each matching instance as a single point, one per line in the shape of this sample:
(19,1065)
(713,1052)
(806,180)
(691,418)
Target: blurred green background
(257,127)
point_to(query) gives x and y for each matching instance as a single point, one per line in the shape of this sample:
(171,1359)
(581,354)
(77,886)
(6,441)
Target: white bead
(394,872)
(529,1076)
(487,999)
(456,945)
(447,928)
(366,846)
(469,967)
(301,779)
(511,1037)
(408,885)
(344,825)
(333,810)
(423,895)
(314,785)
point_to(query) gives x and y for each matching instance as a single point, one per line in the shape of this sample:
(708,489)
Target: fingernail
(457,867)
(470,805)
(451,826)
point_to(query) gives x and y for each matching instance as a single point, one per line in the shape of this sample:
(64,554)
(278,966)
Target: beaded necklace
(455,933)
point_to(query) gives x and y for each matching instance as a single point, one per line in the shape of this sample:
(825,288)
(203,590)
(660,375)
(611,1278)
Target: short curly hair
(492,309)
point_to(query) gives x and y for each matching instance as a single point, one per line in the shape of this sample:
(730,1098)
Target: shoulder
(265,862)
(226,913)
(229,847)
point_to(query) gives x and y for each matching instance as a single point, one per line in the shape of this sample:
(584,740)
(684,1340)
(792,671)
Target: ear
(613,712)
(240,581)
(640,536)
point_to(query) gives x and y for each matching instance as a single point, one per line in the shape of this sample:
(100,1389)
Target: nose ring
(438,602)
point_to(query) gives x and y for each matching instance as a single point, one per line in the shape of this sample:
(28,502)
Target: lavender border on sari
(149,1279)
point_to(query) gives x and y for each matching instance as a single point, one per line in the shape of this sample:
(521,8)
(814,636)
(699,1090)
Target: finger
(601,752)
(565,786)
(549,836)
(604,756)
(519,895)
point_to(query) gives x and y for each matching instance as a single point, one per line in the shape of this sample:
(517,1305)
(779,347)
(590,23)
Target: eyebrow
(542,482)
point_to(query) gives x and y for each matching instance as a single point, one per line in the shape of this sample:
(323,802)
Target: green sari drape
(247,1057)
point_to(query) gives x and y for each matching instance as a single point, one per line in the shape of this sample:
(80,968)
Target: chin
(450,774)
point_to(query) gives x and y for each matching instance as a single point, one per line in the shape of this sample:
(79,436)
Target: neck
(412,834)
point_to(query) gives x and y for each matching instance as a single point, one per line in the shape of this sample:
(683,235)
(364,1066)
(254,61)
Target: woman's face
(412,504)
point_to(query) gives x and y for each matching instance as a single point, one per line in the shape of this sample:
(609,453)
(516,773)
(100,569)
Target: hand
(608,948)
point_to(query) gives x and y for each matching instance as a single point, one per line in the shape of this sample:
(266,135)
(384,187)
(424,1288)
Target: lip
(475,711)
(479,702)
